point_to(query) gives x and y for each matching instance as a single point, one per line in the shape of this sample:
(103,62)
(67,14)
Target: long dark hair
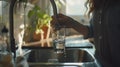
(98,4)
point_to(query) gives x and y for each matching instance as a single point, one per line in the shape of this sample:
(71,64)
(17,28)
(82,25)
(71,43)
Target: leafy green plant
(40,18)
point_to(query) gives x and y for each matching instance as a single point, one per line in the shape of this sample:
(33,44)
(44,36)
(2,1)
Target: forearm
(71,23)
(82,29)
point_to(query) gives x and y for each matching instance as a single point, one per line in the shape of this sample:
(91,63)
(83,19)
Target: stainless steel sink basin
(71,58)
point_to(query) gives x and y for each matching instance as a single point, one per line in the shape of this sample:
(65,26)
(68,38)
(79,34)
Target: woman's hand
(62,20)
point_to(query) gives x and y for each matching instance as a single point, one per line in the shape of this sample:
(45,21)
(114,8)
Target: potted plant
(39,23)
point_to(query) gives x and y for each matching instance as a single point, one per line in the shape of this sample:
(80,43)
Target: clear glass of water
(59,40)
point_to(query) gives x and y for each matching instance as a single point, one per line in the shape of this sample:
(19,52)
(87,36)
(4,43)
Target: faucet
(11,27)
(58,40)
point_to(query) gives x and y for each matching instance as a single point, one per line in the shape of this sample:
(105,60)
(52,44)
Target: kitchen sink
(70,58)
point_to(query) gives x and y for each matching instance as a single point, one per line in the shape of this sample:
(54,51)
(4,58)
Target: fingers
(58,15)
(63,20)
(58,18)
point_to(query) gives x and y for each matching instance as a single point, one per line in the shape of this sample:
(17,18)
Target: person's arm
(82,29)
(71,23)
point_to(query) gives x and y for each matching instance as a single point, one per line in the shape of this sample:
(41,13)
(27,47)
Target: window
(75,9)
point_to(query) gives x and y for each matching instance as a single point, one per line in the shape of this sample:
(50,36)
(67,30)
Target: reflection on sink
(70,57)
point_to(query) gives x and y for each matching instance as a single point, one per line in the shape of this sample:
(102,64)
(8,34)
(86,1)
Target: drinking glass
(59,40)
